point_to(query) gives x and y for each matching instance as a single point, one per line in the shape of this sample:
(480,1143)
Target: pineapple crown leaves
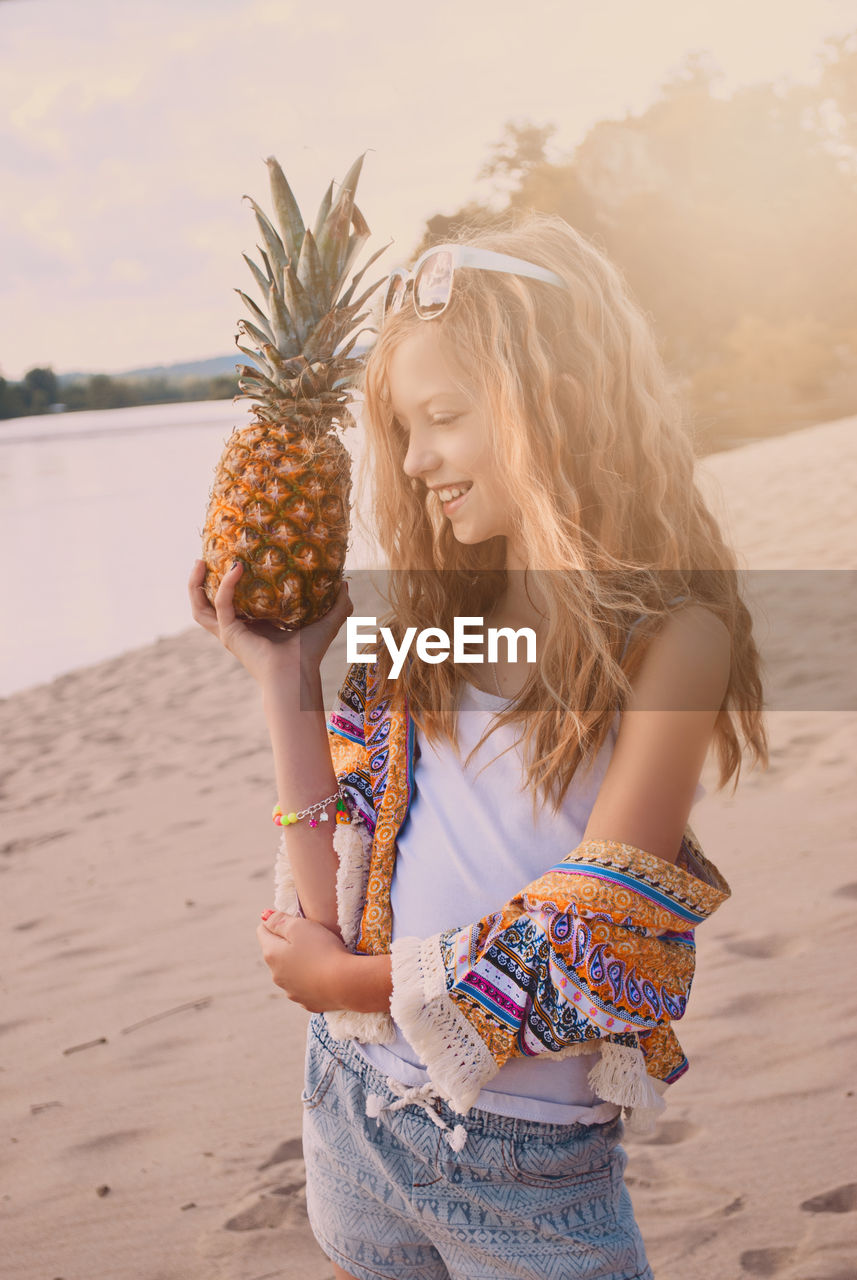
(306,270)
(323,211)
(273,243)
(286,208)
(262,281)
(304,331)
(335,243)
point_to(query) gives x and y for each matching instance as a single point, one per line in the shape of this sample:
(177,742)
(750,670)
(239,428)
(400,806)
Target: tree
(40,389)
(838,90)
(12,404)
(520,149)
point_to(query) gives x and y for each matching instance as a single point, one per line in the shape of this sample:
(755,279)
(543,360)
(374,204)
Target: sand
(152,1072)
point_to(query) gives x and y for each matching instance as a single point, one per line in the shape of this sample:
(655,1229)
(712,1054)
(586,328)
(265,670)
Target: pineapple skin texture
(280,503)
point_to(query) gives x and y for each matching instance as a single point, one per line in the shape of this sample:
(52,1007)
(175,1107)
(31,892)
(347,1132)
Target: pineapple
(280,500)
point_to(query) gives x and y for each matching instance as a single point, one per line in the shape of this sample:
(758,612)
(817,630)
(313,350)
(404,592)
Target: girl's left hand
(305,959)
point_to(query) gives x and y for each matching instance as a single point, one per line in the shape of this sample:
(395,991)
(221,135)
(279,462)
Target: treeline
(40,389)
(733,221)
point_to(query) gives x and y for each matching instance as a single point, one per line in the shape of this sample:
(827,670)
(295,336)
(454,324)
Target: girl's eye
(439,420)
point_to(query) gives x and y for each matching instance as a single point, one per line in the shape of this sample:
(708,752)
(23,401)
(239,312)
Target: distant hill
(212,368)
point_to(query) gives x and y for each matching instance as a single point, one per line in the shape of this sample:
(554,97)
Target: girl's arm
(286,667)
(315,970)
(665,731)
(311,762)
(305,775)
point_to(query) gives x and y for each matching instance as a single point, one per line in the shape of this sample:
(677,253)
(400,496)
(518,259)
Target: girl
(500,932)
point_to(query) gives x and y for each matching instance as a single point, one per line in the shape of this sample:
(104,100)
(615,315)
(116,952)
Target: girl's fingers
(223,605)
(222,611)
(200,605)
(197,575)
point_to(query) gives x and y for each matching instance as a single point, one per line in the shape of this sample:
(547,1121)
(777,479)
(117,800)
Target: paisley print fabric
(597,946)
(389,751)
(345,735)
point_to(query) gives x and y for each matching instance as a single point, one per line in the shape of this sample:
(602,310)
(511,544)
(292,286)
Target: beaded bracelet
(286,819)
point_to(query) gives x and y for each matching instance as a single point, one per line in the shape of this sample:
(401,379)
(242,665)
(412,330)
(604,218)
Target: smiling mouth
(454,503)
(454,491)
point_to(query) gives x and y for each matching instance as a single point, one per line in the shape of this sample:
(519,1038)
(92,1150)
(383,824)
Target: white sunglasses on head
(433,273)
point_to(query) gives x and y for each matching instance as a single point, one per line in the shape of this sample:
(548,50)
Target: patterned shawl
(597,953)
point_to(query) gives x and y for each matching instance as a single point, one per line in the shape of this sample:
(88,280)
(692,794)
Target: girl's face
(443,420)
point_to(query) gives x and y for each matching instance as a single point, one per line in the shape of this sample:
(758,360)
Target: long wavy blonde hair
(582,414)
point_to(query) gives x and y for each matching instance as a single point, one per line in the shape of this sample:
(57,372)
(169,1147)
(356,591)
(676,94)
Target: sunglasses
(434,271)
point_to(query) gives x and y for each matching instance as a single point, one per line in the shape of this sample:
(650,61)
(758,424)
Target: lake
(101,514)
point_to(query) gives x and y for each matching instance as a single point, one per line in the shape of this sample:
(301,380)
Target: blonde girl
(493,984)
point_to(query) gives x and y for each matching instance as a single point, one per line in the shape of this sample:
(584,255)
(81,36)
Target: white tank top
(467,845)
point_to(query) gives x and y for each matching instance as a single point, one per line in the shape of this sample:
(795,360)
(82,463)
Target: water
(101,516)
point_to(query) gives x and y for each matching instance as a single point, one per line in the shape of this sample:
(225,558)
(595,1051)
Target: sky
(129,133)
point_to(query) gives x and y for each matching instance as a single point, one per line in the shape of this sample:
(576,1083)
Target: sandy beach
(151,1071)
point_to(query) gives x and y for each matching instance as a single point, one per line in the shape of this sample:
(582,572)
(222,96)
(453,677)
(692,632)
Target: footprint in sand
(278,1201)
(74,953)
(840,1200)
(288,1188)
(266,1212)
(766,947)
(750,1003)
(668,1133)
(31,842)
(806,739)
(106,1141)
(291,1149)
(13,1024)
(767,1262)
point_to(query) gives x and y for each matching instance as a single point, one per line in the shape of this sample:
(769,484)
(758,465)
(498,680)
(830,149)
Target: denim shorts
(388,1196)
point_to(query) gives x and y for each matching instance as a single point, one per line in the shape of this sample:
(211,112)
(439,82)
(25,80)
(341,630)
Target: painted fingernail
(267,913)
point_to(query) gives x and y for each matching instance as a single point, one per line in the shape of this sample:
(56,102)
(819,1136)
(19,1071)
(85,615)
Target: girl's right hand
(265,651)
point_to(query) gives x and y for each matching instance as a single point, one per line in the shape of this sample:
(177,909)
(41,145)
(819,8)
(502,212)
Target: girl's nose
(420,459)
